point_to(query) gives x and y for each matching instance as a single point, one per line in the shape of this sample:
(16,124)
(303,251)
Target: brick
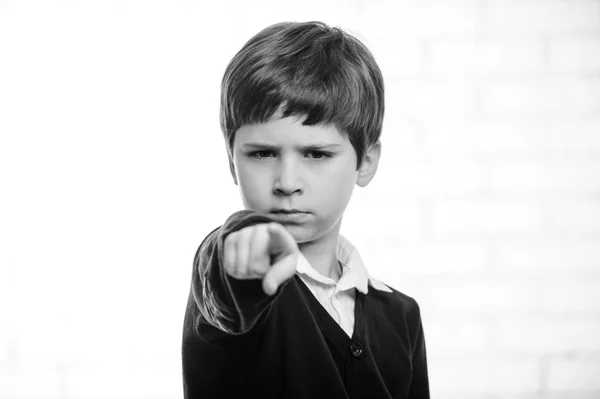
(574,374)
(110,331)
(551,256)
(460,395)
(574,216)
(544,336)
(563,395)
(456,217)
(6,346)
(30,383)
(123,344)
(61,310)
(487,294)
(400,140)
(39,339)
(402,218)
(476,137)
(572,136)
(496,138)
(514,375)
(431,98)
(543,96)
(579,54)
(385,268)
(97,328)
(405,59)
(431,177)
(485,56)
(49,349)
(547,176)
(116,381)
(333,12)
(500,375)
(571,294)
(415,18)
(7,306)
(429,257)
(520,17)
(456,336)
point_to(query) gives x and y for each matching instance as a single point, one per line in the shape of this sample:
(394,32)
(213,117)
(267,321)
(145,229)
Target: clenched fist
(264,251)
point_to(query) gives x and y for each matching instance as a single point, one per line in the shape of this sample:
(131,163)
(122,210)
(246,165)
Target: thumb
(280,272)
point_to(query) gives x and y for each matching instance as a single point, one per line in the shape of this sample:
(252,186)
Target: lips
(289,216)
(288,211)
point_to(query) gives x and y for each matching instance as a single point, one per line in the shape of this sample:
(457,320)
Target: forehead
(289,131)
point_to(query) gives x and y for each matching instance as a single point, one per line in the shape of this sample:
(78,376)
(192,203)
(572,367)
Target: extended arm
(419,386)
(237,267)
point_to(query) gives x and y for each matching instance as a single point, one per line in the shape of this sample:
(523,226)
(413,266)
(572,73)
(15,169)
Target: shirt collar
(354,272)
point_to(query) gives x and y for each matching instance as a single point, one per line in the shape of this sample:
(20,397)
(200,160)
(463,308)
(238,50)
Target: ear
(232,170)
(367,169)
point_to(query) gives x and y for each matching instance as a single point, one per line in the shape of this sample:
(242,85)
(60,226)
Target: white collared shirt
(338,298)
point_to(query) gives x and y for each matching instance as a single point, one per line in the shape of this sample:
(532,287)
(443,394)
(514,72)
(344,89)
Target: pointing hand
(264,251)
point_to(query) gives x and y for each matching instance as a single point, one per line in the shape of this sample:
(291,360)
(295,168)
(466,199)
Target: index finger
(279,273)
(280,240)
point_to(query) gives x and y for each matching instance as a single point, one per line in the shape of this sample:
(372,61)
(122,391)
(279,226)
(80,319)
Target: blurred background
(486,206)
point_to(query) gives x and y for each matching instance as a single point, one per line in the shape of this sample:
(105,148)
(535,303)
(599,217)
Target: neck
(321,254)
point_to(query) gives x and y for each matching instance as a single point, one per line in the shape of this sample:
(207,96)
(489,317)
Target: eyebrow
(265,146)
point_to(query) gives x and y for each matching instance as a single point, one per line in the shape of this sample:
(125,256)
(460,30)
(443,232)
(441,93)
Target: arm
(225,314)
(419,386)
(234,304)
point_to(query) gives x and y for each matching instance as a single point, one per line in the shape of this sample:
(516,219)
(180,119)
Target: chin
(304,234)
(301,234)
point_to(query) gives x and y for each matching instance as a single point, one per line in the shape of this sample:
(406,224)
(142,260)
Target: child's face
(282,165)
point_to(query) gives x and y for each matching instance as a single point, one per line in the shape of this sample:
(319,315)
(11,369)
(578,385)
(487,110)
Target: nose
(287,177)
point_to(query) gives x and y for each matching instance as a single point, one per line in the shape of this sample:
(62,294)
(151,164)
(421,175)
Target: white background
(486,207)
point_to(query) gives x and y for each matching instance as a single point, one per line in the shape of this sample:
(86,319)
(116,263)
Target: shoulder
(394,300)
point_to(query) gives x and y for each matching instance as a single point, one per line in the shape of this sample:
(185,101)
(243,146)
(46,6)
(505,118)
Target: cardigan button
(356,348)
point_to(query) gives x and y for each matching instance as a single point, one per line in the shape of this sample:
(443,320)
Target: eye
(261,154)
(318,155)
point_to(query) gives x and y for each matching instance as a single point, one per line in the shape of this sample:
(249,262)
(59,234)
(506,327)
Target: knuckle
(230,239)
(231,271)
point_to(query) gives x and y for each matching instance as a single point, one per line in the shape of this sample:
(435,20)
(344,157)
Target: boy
(281,305)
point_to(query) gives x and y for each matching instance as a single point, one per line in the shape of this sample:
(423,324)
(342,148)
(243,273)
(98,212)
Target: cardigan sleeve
(419,386)
(232,306)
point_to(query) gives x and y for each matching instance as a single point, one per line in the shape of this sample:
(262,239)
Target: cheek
(343,175)
(252,182)
(336,185)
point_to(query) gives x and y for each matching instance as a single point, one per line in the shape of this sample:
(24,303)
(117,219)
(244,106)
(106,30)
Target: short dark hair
(305,69)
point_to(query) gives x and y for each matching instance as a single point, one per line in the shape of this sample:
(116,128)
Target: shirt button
(356,348)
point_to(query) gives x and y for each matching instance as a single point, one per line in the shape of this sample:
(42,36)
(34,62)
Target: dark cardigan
(240,343)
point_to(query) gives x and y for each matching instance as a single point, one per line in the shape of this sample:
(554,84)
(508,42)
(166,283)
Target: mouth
(289,216)
(285,211)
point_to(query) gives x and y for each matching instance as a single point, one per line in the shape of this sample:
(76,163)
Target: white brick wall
(31,383)
(534,17)
(486,217)
(542,335)
(574,373)
(142,381)
(512,136)
(481,376)
(480,55)
(489,180)
(418,19)
(555,256)
(574,54)
(557,96)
